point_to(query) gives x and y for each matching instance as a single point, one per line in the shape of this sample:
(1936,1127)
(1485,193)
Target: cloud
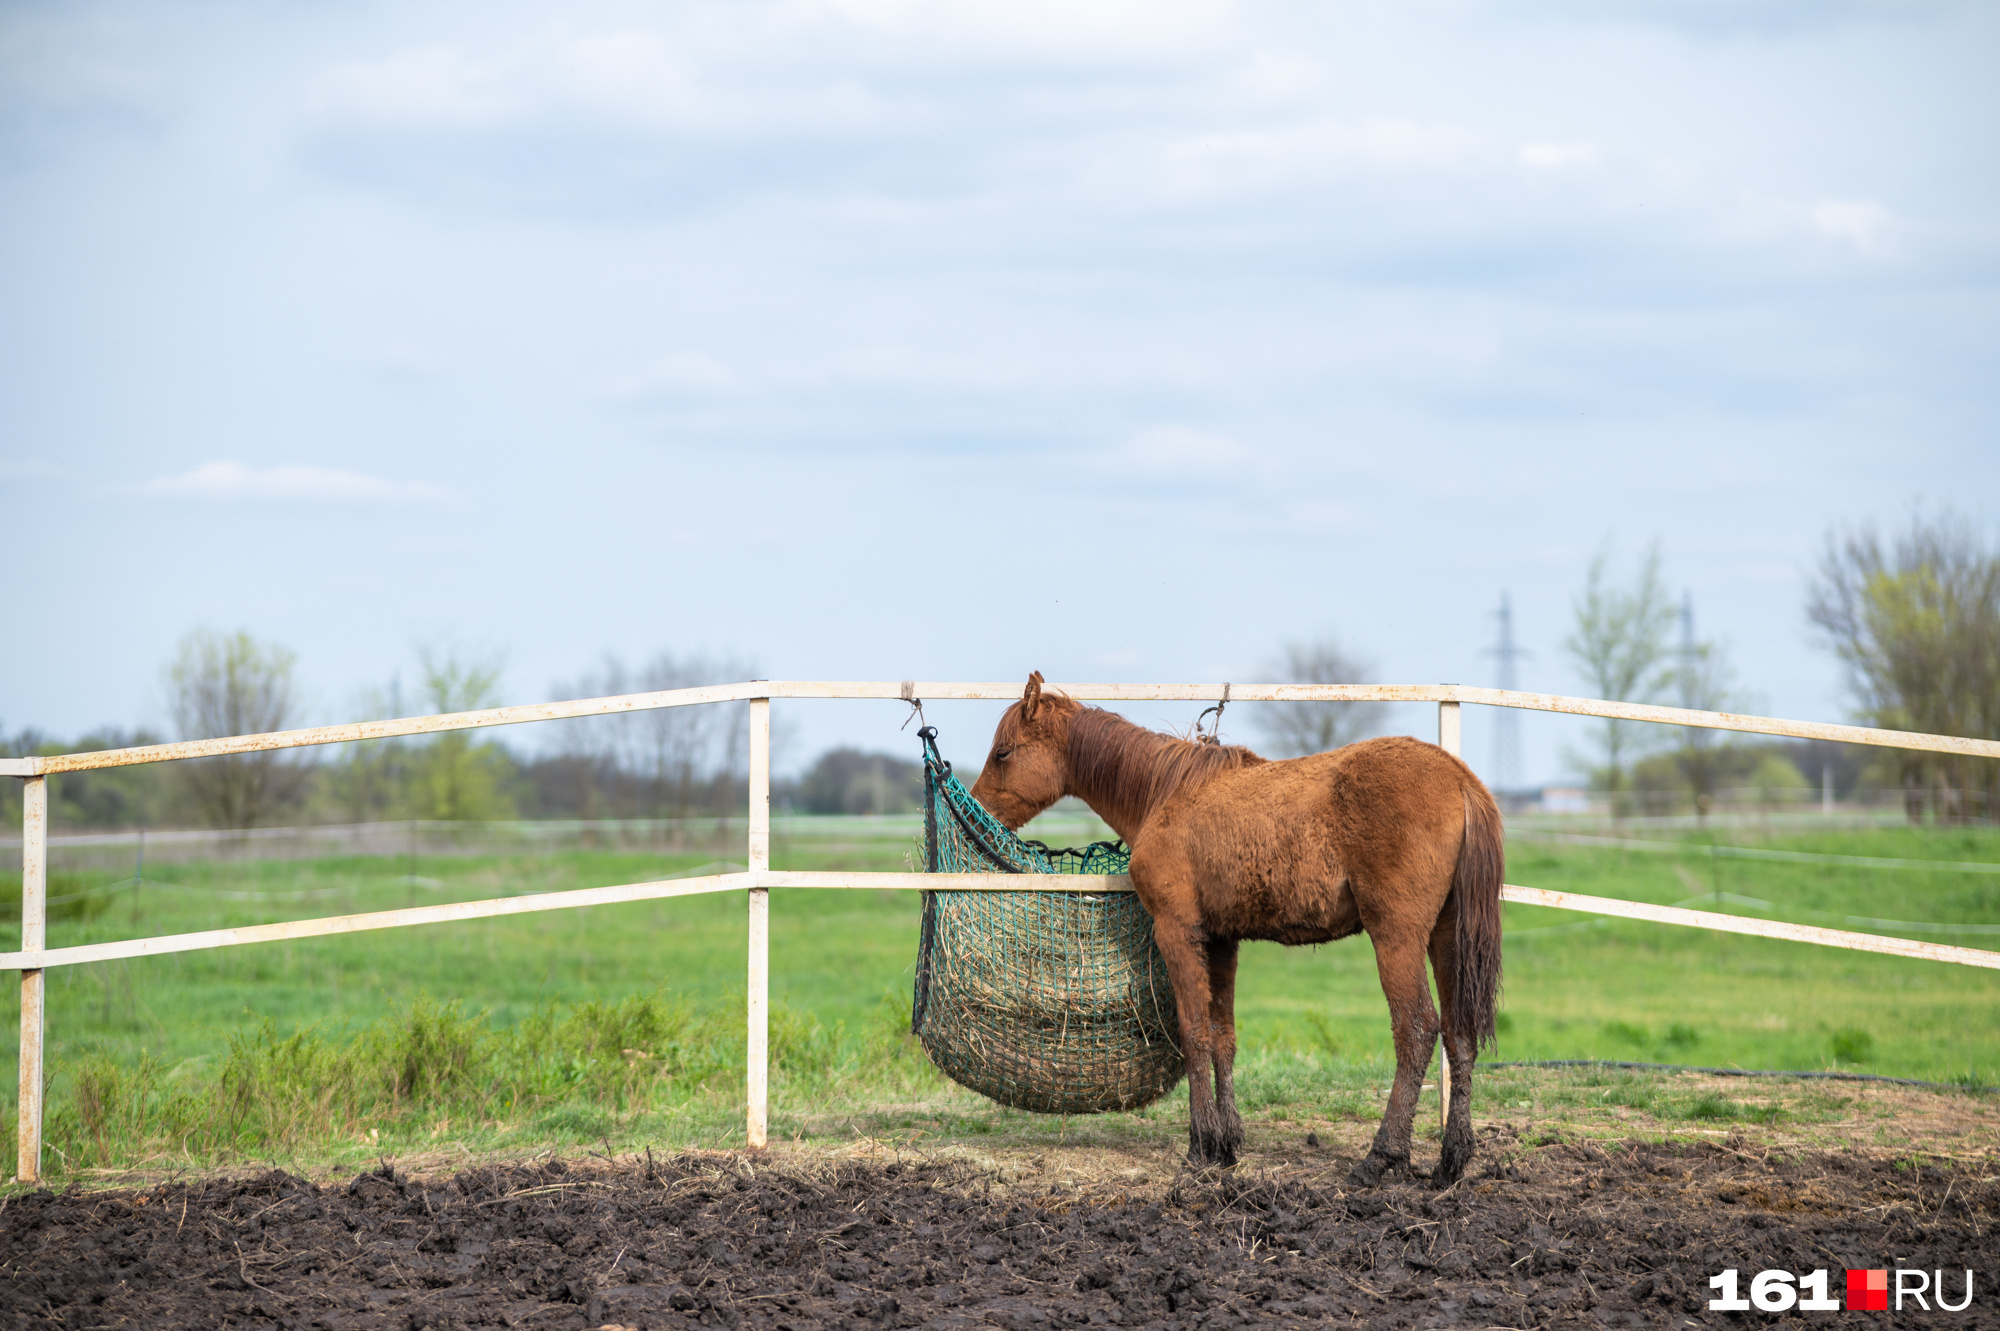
(1310,151)
(232,481)
(1859,222)
(1178,451)
(892,365)
(1732,19)
(429,85)
(1557,156)
(743,65)
(635,80)
(683,374)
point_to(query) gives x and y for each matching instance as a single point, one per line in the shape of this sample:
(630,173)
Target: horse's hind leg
(1461,1046)
(1400,964)
(1222,1040)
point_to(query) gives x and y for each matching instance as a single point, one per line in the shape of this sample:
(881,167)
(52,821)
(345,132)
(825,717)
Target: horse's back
(1279,850)
(1374,790)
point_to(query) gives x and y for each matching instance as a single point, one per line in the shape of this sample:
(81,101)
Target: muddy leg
(1461,1046)
(1400,964)
(1222,1041)
(1185,950)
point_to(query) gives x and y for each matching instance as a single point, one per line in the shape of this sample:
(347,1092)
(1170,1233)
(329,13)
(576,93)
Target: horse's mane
(1132,768)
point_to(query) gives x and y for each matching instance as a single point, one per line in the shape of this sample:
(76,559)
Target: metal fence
(35,957)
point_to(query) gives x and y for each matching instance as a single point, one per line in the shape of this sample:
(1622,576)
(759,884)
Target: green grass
(623,1023)
(1603,989)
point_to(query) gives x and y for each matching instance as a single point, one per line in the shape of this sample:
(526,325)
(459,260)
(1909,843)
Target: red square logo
(1868,1291)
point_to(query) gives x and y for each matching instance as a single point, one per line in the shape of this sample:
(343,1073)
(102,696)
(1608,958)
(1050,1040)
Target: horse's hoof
(1371,1169)
(1210,1156)
(1450,1167)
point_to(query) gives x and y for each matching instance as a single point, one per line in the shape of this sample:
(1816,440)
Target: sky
(894,339)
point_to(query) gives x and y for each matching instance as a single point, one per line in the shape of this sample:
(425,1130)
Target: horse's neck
(1114,768)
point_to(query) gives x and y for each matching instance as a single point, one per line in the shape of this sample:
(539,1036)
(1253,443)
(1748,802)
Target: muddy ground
(1563,1234)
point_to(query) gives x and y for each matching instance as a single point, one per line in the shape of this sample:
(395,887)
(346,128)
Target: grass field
(588,1025)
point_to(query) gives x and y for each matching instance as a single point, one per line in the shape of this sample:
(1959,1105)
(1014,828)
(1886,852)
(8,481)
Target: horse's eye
(1001,755)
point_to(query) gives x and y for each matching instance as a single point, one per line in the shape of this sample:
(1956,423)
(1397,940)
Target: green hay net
(1056,1002)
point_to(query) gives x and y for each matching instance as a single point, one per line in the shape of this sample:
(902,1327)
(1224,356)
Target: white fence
(35,957)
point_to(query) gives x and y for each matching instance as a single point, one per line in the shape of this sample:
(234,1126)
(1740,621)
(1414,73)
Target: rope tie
(909,694)
(1214,734)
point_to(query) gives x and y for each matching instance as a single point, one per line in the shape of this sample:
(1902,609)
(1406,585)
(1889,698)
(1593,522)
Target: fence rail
(575,898)
(1453,694)
(35,957)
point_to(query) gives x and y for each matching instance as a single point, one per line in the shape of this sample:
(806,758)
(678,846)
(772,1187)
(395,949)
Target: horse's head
(1027,769)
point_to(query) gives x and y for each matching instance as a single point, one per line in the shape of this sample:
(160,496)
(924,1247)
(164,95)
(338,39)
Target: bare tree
(231,684)
(1294,729)
(691,750)
(1916,622)
(1619,643)
(664,761)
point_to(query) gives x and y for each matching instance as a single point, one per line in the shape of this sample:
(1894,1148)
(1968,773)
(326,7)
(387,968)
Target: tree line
(679,762)
(1913,617)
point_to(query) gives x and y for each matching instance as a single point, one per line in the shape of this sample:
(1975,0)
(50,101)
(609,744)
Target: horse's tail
(1476,884)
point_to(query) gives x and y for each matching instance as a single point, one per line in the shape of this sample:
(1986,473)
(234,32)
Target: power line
(1506,722)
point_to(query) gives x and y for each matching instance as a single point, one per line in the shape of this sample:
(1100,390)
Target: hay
(1056,1002)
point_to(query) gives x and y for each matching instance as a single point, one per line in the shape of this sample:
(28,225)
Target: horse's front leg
(1400,964)
(1184,947)
(1222,1038)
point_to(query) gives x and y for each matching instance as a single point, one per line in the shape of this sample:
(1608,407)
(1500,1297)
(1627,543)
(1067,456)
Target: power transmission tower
(1506,720)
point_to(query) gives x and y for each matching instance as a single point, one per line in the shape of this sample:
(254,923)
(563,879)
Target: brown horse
(1393,836)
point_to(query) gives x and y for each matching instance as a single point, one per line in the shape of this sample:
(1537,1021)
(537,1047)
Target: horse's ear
(1031,697)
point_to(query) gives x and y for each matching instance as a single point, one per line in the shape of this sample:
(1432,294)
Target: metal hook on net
(909,694)
(1213,735)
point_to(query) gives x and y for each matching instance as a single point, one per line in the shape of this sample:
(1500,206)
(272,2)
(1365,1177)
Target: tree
(1619,643)
(663,761)
(692,755)
(1705,682)
(1294,729)
(846,780)
(1916,623)
(454,778)
(231,684)
(369,782)
(140,796)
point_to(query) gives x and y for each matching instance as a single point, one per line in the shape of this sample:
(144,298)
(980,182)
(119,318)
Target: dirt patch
(1567,1234)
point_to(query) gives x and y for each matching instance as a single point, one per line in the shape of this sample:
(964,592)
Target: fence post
(34,936)
(1448,733)
(1448,740)
(757,1048)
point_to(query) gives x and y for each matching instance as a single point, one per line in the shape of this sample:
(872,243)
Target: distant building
(1565,799)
